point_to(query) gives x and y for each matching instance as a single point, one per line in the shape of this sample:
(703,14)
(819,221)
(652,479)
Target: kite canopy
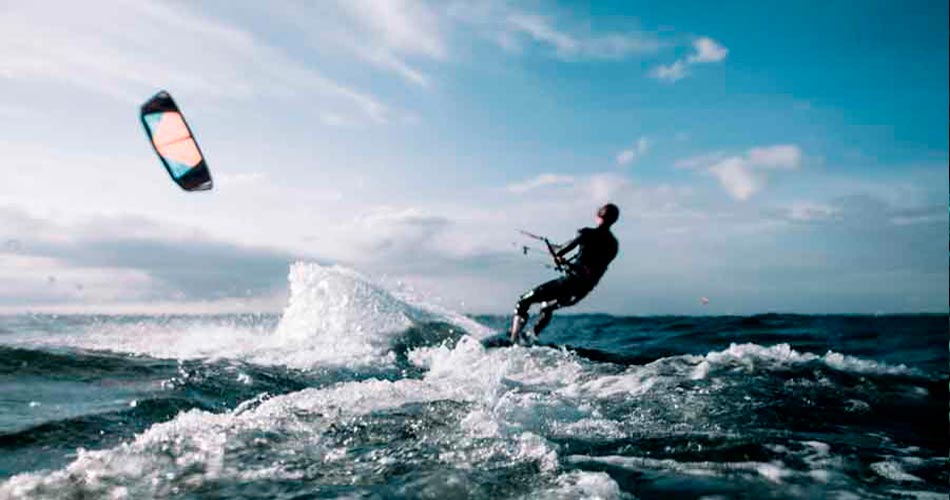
(174,143)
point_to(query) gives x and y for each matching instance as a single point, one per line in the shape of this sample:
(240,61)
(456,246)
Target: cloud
(388,237)
(242,179)
(31,280)
(577,46)
(628,156)
(744,175)
(782,156)
(385,33)
(539,181)
(125,259)
(121,58)
(806,211)
(705,51)
(538,28)
(703,160)
(606,186)
(400,25)
(671,72)
(737,178)
(516,31)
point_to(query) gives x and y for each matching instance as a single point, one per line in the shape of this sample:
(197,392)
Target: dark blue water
(410,405)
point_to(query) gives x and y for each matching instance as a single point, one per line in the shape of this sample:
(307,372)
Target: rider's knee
(548,308)
(524,303)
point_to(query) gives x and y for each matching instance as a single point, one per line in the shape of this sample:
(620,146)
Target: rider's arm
(567,247)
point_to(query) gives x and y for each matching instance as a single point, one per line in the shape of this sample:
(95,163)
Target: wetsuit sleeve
(570,245)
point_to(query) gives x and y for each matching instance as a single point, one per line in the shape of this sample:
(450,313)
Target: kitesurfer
(596,248)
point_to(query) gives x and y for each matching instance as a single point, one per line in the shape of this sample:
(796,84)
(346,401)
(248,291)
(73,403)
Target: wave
(341,427)
(414,404)
(334,317)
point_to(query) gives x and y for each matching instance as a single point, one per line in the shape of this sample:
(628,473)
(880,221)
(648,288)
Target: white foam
(893,471)
(334,316)
(194,448)
(773,471)
(752,356)
(920,495)
(579,484)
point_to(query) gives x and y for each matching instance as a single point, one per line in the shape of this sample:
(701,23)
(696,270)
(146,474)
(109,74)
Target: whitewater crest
(334,317)
(462,418)
(464,405)
(337,316)
(477,406)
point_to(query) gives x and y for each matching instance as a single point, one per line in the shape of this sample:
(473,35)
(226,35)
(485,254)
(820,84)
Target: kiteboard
(500,339)
(503,339)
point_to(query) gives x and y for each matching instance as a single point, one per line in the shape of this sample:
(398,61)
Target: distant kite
(174,143)
(704,301)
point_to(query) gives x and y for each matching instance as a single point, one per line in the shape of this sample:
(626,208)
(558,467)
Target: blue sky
(769,156)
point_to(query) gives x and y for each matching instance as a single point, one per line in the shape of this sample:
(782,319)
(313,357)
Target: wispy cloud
(580,46)
(389,34)
(670,72)
(150,44)
(629,155)
(744,175)
(539,181)
(518,30)
(699,161)
(122,259)
(705,51)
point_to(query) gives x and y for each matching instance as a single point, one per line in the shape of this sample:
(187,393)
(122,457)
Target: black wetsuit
(596,248)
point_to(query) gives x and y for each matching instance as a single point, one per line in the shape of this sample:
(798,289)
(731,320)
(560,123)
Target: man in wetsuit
(596,247)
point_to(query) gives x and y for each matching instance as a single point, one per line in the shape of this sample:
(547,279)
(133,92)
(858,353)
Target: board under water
(498,339)
(503,339)
(357,392)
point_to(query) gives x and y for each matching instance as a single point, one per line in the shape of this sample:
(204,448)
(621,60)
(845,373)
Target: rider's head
(607,215)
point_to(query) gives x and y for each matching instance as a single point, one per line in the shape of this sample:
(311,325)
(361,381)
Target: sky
(769,156)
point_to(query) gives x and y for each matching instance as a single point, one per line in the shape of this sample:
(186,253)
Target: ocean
(356,391)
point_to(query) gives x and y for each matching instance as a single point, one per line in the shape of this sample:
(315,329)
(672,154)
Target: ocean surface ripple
(357,391)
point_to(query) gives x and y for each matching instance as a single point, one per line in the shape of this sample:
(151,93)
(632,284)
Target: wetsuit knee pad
(524,303)
(549,306)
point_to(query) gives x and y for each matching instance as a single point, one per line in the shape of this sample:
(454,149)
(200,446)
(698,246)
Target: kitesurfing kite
(174,143)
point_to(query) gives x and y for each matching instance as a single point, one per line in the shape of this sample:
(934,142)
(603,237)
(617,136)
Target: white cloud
(387,33)
(627,156)
(33,279)
(241,179)
(700,161)
(782,156)
(145,41)
(705,51)
(515,30)
(400,25)
(335,119)
(670,73)
(744,175)
(99,259)
(539,181)
(538,28)
(806,211)
(389,61)
(737,178)
(577,46)
(606,187)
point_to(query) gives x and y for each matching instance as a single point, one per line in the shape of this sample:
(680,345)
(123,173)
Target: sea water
(355,391)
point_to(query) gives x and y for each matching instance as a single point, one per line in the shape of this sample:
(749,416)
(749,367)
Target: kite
(174,143)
